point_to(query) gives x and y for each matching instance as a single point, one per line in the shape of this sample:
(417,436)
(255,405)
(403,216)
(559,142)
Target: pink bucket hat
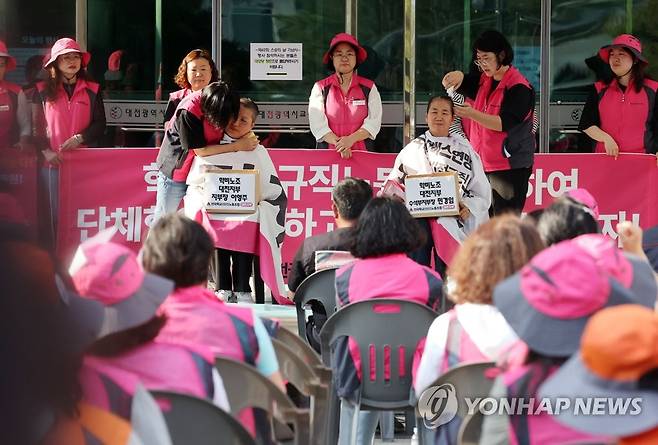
(11,62)
(65,46)
(632,272)
(115,293)
(585,198)
(548,302)
(626,41)
(114,66)
(343,37)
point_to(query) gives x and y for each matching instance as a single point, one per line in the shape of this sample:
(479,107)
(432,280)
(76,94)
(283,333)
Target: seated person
(547,303)
(383,236)
(240,236)
(348,198)
(42,402)
(179,249)
(474,330)
(438,151)
(112,285)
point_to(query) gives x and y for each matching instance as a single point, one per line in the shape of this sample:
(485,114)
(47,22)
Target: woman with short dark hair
(384,235)
(501,117)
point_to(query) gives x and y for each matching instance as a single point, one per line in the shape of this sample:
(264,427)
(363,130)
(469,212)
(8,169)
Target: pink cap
(627,41)
(110,273)
(65,46)
(11,62)
(564,282)
(343,37)
(585,197)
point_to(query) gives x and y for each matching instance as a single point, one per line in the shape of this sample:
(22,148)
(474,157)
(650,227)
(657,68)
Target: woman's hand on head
(453,79)
(464,110)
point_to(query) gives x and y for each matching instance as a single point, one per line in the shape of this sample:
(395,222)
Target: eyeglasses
(484,61)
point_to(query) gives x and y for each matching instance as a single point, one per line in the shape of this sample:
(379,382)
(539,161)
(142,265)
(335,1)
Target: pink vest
(195,316)
(176,97)
(8,107)
(490,144)
(539,429)
(66,117)
(625,115)
(346,112)
(156,365)
(460,349)
(389,276)
(212,134)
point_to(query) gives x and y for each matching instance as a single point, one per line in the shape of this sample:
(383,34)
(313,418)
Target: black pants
(423,255)
(234,276)
(508,190)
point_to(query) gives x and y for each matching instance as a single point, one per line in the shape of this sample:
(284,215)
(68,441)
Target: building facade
(411,44)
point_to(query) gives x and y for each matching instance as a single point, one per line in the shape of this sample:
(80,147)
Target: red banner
(116,187)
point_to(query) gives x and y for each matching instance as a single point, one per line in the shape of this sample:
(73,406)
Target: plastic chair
(319,286)
(247,388)
(303,377)
(469,381)
(191,420)
(372,323)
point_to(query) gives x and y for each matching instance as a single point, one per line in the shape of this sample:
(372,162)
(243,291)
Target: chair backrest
(319,286)
(248,388)
(389,331)
(294,369)
(191,420)
(302,349)
(469,381)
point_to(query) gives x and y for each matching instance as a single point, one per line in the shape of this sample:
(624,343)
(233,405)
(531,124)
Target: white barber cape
(431,154)
(260,233)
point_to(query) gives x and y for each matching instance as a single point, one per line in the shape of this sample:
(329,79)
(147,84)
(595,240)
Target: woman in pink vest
(548,303)
(195,72)
(15,117)
(501,116)
(344,109)
(118,303)
(474,330)
(73,115)
(196,129)
(621,115)
(384,234)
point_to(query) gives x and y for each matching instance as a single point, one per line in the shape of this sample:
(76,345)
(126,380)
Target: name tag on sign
(432,195)
(358,102)
(230,191)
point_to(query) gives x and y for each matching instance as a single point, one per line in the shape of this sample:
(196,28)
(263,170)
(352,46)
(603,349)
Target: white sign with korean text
(432,195)
(275,61)
(230,191)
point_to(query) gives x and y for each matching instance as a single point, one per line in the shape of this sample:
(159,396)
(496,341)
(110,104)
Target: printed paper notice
(275,61)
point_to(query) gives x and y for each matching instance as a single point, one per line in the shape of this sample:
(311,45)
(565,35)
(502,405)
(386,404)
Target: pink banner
(116,187)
